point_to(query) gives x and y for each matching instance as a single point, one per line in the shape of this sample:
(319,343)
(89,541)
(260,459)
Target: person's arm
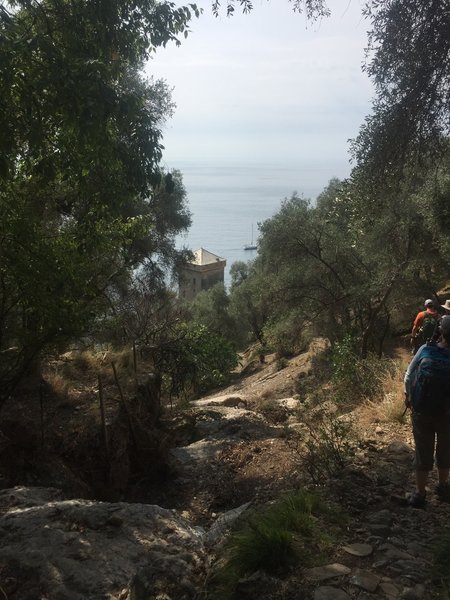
(417,324)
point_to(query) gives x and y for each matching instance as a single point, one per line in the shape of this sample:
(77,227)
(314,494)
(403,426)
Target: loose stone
(358,549)
(327,571)
(366,580)
(328,592)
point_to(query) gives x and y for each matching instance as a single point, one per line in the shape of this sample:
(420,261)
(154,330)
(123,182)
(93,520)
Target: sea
(228,202)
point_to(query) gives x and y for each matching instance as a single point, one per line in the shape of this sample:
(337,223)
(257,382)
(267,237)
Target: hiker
(446,307)
(424,325)
(437,332)
(427,393)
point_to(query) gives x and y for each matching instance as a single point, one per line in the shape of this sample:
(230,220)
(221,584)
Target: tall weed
(297,529)
(354,378)
(326,444)
(390,405)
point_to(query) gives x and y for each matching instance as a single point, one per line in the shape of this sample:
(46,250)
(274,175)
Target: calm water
(227,201)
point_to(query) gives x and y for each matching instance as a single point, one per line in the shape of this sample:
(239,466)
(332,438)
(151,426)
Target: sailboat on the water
(251,246)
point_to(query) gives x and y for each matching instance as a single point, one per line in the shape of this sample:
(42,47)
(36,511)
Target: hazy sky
(267,87)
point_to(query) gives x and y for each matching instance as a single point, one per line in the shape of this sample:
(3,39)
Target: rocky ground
(159,541)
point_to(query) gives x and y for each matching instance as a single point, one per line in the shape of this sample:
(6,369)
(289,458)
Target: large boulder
(62,549)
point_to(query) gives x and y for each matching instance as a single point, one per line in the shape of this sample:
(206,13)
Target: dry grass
(390,406)
(58,384)
(89,363)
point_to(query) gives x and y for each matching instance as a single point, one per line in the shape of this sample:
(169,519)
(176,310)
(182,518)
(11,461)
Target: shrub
(297,529)
(195,361)
(287,336)
(326,444)
(390,406)
(355,378)
(281,363)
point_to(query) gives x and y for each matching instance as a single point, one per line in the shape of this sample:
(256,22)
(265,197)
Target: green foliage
(314,9)
(212,309)
(195,360)
(297,529)
(281,363)
(409,59)
(326,445)
(82,201)
(287,335)
(355,379)
(250,300)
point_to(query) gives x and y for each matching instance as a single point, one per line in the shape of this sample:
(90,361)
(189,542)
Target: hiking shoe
(416,500)
(443,491)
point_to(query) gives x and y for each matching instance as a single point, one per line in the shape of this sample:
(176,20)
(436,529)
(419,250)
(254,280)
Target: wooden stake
(135,364)
(102,415)
(124,404)
(41,402)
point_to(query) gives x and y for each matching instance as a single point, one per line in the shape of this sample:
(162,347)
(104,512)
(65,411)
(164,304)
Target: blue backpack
(430,385)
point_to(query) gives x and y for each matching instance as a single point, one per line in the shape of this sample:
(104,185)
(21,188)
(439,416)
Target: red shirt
(420,317)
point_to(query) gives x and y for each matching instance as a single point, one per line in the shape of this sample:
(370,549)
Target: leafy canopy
(82,200)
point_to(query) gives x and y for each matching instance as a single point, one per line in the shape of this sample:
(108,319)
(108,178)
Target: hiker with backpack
(446,311)
(424,325)
(427,393)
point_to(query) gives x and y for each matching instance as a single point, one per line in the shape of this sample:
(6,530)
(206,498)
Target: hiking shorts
(431,435)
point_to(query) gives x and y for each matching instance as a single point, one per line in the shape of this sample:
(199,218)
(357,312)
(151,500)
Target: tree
(408,59)
(409,62)
(249,299)
(211,308)
(313,8)
(82,201)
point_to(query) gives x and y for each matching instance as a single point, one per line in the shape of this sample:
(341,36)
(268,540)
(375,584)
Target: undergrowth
(389,405)
(326,443)
(356,379)
(296,530)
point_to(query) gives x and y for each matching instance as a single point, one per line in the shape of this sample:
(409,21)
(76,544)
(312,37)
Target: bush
(390,406)
(355,378)
(195,361)
(326,444)
(287,336)
(297,529)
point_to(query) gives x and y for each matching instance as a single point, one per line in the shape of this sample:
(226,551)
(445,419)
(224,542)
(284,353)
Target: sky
(267,87)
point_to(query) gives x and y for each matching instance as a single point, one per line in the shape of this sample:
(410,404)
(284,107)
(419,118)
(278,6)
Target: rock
(391,590)
(328,592)
(221,526)
(414,569)
(85,550)
(398,448)
(327,571)
(257,585)
(366,580)
(288,403)
(381,517)
(359,549)
(228,400)
(380,531)
(201,451)
(416,593)
(393,553)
